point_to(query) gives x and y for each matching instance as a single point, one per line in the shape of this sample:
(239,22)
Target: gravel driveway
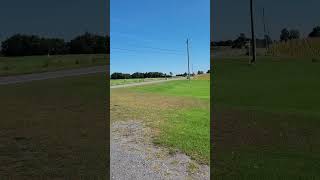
(134,156)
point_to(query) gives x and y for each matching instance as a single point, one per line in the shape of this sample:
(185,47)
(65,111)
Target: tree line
(242,41)
(140,75)
(27,45)
(285,35)
(118,75)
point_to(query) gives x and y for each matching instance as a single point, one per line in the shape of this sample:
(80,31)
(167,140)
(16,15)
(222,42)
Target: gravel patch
(134,156)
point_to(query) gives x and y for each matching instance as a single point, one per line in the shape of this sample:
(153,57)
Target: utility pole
(192,69)
(264,29)
(188,59)
(253,38)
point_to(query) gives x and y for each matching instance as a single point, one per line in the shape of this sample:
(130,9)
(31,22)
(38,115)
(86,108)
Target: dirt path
(144,83)
(51,75)
(134,156)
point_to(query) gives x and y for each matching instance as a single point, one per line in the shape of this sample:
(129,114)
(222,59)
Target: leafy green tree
(240,42)
(315,32)
(200,72)
(285,34)
(294,34)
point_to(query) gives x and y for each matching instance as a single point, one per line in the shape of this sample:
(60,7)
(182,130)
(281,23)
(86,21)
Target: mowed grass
(178,111)
(266,118)
(194,88)
(54,128)
(35,64)
(114,82)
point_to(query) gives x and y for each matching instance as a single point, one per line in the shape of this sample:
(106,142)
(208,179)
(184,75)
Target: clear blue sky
(150,35)
(54,18)
(231,17)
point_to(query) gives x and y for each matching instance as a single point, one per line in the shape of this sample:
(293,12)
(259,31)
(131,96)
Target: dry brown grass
(309,47)
(202,77)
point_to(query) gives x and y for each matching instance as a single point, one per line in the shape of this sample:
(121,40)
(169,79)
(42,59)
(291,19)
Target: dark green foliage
(183,75)
(294,34)
(118,75)
(285,34)
(240,41)
(138,75)
(29,45)
(289,34)
(89,44)
(200,72)
(315,32)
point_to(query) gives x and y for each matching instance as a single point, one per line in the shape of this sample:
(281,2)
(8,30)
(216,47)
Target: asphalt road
(51,75)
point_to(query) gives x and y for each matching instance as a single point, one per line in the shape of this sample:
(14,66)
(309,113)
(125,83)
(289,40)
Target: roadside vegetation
(114,82)
(177,111)
(36,64)
(23,54)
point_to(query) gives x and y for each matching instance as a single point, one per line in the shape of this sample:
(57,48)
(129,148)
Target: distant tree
(27,45)
(315,32)
(294,34)
(208,72)
(240,42)
(200,72)
(222,43)
(138,75)
(117,75)
(285,35)
(89,44)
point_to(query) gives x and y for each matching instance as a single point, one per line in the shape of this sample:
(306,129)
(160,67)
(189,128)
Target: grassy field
(54,128)
(178,112)
(114,82)
(33,64)
(266,118)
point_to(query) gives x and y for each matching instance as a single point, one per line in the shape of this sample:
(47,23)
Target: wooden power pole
(188,59)
(266,35)
(253,38)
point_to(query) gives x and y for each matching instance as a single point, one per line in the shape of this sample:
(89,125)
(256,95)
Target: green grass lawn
(178,110)
(54,128)
(33,64)
(114,82)
(267,118)
(194,88)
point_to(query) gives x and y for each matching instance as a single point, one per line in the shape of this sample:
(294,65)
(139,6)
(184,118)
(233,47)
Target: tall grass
(309,47)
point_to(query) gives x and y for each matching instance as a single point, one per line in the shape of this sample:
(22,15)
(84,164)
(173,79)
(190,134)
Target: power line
(155,48)
(138,51)
(160,49)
